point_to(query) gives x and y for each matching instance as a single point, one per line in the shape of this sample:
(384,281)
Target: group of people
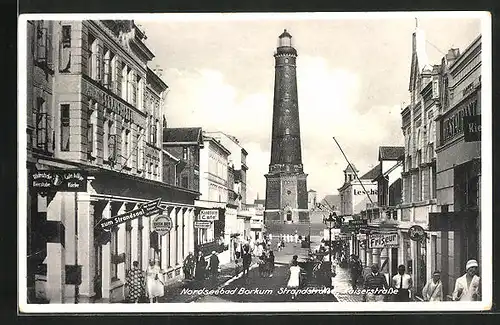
(198,269)
(144,286)
(266,264)
(467,287)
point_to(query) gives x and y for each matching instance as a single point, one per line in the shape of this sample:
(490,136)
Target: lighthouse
(286,182)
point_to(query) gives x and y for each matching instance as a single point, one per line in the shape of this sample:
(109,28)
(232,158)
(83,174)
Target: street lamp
(330,220)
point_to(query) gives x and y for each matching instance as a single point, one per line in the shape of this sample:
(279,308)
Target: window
(92,130)
(105,140)
(66,36)
(90,57)
(185,153)
(65,127)
(128,245)
(124,78)
(43,54)
(106,80)
(184,182)
(41,124)
(114,252)
(116,75)
(140,148)
(126,147)
(112,141)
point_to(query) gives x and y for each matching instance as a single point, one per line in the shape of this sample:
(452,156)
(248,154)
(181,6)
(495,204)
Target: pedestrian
(270,237)
(467,287)
(296,237)
(262,265)
(294,279)
(278,246)
(294,259)
(135,283)
(214,266)
(355,269)
(200,267)
(238,250)
(374,282)
(247,260)
(270,264)
(237,267)
(154,283)
(188,267)
(403,283)
(433,289)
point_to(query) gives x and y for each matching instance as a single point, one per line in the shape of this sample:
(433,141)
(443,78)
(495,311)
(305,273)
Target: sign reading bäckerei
(383,240)
(208,215)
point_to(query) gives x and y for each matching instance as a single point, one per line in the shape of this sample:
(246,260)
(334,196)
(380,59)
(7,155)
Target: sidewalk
(286,254)
(173,291)
(342,283)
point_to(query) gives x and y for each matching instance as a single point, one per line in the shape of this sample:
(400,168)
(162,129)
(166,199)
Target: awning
(453,221)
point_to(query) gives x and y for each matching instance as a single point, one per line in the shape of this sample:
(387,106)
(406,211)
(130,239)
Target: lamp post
(330,220)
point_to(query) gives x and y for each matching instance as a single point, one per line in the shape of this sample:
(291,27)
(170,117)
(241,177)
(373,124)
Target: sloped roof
(390,153)
(182,134)
(332,200)
(373,173)
(349,169)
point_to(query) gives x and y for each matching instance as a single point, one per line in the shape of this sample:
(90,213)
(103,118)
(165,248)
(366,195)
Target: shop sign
(107,100)
(416,233)
(59,180)
(162,224)
(344,236)
(202,224)
(361,236)
(145,210)
(472,128)
(383,240)
(208,215)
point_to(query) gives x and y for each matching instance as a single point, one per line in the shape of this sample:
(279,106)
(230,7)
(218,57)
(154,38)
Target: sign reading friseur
(162,224)
(383,240)
(208,215)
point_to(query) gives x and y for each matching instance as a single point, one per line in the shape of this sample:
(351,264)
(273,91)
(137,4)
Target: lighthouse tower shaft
(286,184)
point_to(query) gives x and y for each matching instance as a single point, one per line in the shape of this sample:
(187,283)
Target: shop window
(65,132)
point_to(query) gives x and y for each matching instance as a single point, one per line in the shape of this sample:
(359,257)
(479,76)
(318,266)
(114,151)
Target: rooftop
(172,135)
(350,167)
(373,173)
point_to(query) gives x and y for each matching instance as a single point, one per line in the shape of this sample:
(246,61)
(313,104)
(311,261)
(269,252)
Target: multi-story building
(456,225)
(88,112)
(354,192)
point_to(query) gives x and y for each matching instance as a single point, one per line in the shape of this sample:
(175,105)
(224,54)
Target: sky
(352,77)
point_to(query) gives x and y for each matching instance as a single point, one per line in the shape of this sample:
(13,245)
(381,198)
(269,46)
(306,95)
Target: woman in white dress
(294,281)
(467,287)
(154,282)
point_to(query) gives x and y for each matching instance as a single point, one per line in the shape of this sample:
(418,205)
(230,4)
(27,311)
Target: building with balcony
(456,226)
(94,106)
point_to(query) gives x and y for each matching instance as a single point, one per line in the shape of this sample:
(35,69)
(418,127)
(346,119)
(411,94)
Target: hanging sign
(59,180)
(145,210)
(202,224)
(416,233)
(162,224)
(208,215)
(383,240)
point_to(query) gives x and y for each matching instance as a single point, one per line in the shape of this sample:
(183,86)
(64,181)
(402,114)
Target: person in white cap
(467,287)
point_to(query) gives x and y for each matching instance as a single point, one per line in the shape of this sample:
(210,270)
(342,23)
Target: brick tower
(286,185)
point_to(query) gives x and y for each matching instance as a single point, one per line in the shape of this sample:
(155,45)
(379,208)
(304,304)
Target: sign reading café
(383,240)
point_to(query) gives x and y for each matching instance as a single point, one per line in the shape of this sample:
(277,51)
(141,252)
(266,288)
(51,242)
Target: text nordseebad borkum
(255,291)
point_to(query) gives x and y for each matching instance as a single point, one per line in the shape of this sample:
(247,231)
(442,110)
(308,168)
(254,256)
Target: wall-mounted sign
(472,128)
(361,236)
(416,233)
(356,224)
(107,100)
(383,240)
(145,210)
(369,192)
(208,215)
(162,224)
(59,180)
(202,224)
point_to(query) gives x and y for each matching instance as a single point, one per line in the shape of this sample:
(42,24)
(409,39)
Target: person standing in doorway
(135,283)
(375,281)
(403,283)
(467,287)
(433,289)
